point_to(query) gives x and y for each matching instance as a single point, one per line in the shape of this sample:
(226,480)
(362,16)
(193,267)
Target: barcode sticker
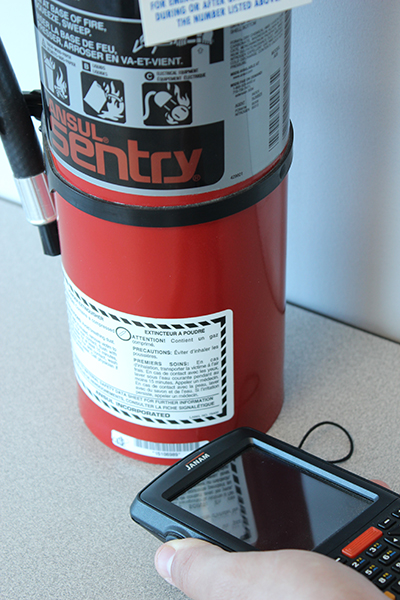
(286,76)
(274,108)
(167,20)
(153,449)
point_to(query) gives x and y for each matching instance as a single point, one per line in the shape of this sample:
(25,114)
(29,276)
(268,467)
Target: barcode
(286,74)
(274,108)
(155,449)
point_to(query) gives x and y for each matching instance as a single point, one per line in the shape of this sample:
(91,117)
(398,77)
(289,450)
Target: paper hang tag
(168,20)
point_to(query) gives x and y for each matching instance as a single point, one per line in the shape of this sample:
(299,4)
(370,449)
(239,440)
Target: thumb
(184,563)
(205,572)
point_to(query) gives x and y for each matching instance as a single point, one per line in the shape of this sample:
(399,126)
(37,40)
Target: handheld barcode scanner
(248,491)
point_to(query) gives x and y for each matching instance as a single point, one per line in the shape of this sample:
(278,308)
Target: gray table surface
(65,526)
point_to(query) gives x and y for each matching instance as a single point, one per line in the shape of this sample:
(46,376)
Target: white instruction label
(161,373)
(167,20)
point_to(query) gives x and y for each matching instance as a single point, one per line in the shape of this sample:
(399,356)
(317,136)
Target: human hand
(205,572)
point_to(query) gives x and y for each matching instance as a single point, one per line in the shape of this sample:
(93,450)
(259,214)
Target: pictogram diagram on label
(167,104)
(56,77)
(161,373)
(103,97)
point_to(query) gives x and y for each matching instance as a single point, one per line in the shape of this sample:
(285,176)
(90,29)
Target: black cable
(339,460)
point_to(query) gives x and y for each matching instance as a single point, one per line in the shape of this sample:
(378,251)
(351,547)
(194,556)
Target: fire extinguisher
(168,171)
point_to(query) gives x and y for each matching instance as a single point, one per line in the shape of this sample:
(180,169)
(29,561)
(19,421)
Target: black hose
(16,128)
(21,143)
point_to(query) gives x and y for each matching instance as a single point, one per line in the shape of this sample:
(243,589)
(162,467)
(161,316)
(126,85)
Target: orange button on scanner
(362,542)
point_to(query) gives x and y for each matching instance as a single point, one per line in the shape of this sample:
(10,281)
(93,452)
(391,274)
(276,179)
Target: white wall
(344,197)
(344,222)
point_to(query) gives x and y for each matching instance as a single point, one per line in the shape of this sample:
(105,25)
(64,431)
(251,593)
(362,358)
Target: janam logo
(196,461)
(152,158)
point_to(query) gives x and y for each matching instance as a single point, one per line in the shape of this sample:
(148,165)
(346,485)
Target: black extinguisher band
(172,216)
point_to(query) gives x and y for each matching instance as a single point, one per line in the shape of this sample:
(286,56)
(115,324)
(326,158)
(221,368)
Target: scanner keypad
(378,560)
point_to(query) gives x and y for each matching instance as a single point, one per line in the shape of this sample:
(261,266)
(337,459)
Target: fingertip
(163,561)
(166,553)
(382,483)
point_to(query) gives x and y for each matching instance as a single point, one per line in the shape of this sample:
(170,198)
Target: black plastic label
(114,41)
(124,9)
(204,113)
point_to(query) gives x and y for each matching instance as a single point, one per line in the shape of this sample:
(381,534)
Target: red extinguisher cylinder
(169,170)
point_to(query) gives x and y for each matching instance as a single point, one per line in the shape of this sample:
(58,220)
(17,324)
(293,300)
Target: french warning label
(161,373)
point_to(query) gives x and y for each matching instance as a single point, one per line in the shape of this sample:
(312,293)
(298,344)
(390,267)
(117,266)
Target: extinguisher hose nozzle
(50,238)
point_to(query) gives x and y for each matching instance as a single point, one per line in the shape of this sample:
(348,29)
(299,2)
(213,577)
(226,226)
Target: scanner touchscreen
(272,504)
